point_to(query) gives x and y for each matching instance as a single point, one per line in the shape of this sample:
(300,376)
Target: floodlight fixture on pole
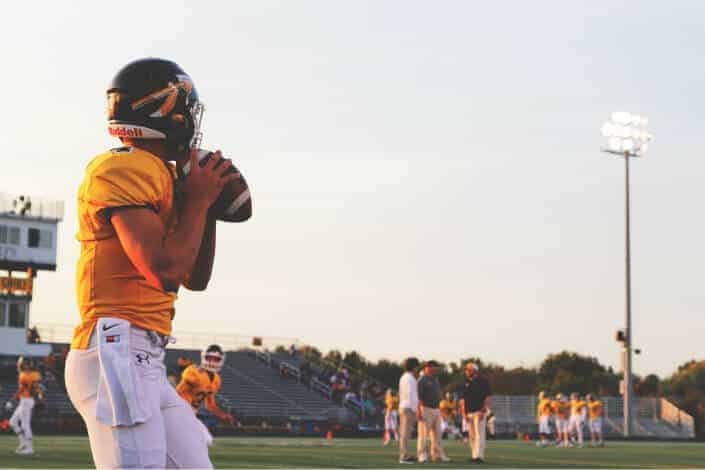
(627,137)
(626,134)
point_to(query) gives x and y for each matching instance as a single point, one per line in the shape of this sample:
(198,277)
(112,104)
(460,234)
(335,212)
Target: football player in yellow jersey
(145,230)
(578,409)
(449,410)
(543,416)
(391,416)
(595,411)
(561,411)
(27,391)
(199,385)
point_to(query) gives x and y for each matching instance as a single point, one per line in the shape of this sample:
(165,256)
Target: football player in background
(200,384)
(145,231)
(561,411)
(578,408)
(27,391)
(543,415)
(391,416)
(595,410)
(449,410)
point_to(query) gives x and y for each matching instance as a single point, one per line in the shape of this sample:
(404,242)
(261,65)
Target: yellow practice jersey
(198,386)
(545,408)
(561,409)
(107,283)
(392,402)
(448,408)
(577,407)
(595,409)
(29,384)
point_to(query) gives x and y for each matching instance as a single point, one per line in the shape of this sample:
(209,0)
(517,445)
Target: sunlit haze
(426,176)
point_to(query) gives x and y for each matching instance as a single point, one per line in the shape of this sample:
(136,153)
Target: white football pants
(170,436)
(21,421)
(544,425)
(576,426)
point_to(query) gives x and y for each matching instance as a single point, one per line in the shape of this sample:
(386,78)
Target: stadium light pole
(627,137)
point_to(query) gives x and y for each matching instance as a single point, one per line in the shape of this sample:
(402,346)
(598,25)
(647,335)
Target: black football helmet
(155,99)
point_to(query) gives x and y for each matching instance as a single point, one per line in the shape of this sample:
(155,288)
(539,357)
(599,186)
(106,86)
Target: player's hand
(204,184)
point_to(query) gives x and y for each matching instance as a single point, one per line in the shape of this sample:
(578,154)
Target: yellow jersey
(198,386)
(577,407)
(595,409)
(448,408)
(544,408)
(561,409)
(107,283)
(28,384)
(392,402)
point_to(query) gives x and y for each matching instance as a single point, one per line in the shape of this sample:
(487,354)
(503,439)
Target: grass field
(262,452)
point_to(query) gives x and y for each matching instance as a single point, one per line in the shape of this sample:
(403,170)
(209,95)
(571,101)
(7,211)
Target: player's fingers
(215,160)
(222,181)
(226,167)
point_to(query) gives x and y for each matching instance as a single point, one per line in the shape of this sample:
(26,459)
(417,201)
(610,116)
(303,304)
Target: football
(234,203)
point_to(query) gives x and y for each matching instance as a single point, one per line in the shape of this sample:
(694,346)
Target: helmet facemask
(212,359)
(196,112)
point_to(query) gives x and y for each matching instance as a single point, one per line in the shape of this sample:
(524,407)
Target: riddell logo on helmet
(125,131)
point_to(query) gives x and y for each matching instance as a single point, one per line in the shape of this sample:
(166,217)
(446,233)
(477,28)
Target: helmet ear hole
(114,101)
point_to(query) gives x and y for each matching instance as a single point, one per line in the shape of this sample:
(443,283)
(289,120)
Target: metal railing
(264,356)
(288,369)
(30,206)
(321,387)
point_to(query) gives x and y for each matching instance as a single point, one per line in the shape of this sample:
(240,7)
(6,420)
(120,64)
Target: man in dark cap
(475,396)
(430,415)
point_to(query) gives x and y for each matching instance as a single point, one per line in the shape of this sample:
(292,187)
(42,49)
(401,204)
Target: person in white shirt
(408,408)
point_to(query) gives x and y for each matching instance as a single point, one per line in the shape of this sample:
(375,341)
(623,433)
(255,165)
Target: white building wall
(22,252)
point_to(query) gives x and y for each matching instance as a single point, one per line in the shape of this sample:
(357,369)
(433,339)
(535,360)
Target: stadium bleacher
(256,390)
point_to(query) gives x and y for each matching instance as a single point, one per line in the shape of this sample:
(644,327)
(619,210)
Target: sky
(426,176)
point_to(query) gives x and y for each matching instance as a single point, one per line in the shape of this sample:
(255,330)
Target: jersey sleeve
(190,376)
(124,181)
